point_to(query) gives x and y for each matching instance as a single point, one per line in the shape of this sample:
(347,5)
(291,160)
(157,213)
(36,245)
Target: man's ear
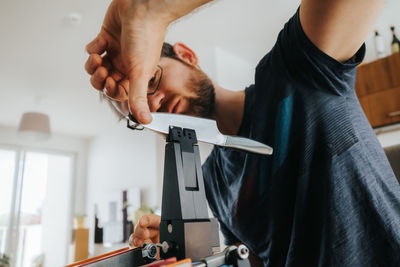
(186,54)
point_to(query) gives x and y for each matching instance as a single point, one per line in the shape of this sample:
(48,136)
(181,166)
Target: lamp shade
(34,126)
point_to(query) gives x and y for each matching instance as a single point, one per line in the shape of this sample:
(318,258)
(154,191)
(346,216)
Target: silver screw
(164,246)
(149,251)
(169,227)
(243,252)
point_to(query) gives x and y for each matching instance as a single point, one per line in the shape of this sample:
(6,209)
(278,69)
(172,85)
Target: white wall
(389,138)
(227,64)
(389,16)
(120,159)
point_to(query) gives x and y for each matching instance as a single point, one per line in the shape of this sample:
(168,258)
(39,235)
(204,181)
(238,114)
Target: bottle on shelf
(395,41)
(379,45)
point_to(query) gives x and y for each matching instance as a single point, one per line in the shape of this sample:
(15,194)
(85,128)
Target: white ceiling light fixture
(34,126)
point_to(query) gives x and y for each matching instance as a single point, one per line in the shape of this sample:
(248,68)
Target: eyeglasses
(155,81)
(122,107)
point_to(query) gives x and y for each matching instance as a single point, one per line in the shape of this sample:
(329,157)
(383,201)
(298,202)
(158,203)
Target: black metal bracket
(186,231)
(185,224)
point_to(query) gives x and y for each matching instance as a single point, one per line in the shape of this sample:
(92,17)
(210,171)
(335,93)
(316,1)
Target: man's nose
(156,100)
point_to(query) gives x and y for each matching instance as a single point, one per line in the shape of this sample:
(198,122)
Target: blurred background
(73,179)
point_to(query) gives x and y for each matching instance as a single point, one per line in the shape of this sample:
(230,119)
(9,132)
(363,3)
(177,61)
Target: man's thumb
(138,104)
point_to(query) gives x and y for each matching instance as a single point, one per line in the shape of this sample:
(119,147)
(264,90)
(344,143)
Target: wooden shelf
(378,89)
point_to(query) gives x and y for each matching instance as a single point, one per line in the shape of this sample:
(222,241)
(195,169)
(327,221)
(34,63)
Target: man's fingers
(97,46)
(139,242)
(148,241)
(123,88)
(110,86)
(150,221)
(147,230)
(138,100)
(145,233)
(155,239)
(140,109)
(136,242)
(116,90)
(117,76)
(94,61)
(99,77)
(106,62)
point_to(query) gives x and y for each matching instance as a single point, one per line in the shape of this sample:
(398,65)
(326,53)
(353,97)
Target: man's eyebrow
(103,98)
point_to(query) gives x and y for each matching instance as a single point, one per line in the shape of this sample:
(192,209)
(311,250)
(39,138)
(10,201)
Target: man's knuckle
(93,82)
(139,99)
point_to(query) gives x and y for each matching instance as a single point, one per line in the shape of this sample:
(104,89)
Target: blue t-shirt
(327,196)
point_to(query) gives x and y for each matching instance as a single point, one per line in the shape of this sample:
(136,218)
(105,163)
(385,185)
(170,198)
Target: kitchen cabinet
(378,89)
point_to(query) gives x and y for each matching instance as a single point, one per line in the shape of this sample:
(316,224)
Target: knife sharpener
(186,231)
(185,225)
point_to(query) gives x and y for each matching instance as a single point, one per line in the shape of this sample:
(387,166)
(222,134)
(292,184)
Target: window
(37,207)
(7,172)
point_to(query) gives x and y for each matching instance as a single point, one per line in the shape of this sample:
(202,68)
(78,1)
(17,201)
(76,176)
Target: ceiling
(42,54)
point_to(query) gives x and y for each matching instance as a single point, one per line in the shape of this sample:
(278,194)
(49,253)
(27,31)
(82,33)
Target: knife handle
(247,145)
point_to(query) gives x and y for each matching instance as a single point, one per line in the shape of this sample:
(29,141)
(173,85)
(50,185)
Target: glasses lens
(154,81)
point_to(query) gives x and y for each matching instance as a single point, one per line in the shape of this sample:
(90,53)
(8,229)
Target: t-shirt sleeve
(244,129)
(305,63)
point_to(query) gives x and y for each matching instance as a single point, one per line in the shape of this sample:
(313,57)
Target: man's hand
(131,37)
(128,48)
(146,231)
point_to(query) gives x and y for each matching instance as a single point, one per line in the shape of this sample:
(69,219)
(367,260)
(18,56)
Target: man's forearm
(180,8)
(339,27)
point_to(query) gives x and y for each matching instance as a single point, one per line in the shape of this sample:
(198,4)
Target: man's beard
(203,104)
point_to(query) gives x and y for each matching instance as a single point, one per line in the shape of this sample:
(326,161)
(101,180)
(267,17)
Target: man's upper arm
(339,27)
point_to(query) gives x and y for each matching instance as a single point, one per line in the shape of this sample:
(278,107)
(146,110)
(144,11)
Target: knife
(206,129)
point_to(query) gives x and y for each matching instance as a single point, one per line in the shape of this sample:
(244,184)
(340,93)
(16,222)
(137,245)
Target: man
(327,197)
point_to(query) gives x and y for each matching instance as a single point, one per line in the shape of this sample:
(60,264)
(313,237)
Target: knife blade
(206,129)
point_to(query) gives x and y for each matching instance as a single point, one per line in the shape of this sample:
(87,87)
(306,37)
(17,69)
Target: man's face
(183,89)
